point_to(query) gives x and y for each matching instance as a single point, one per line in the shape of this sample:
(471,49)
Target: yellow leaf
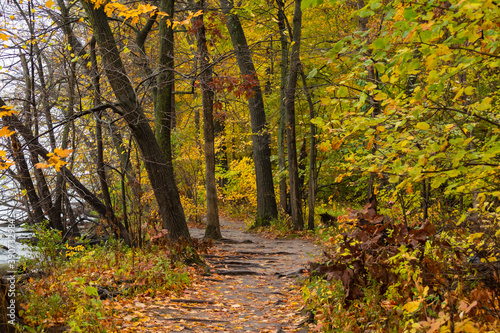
(49,4)
(4,36)
(381,96)
(442,50)
(423,126)
(370,86)
(431,61)
(5,132)
(469,90)
(459,94)
(411,307)
(58,165)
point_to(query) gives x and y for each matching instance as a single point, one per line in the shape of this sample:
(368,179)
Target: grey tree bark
(295,197)
(164,111)
(158,167)
(312,155)
(261,139)
(212,229)
(281,129)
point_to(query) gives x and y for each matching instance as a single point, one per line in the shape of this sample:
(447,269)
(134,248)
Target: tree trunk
(158,167)
(26,182)
(213,228)
(281,129)
(312,154)
(165,82)
(295,199)
(371,77)
(36,149)
(101,172)
(45,198)
(261,139)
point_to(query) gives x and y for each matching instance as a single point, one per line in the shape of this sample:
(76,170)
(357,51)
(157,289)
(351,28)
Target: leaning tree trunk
(213,228)
(36,149)
(266,200)
(24,179)
(45,198)
(158,167)
(295,198)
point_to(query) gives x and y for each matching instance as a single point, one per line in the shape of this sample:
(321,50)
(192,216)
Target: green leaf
(375,5)
(310,3)
(437,181)
(343,91)
(91,291)
(409,14)
(365,12)
(380,67)
(338,46)
(393,179)
(312,73)
(380,43)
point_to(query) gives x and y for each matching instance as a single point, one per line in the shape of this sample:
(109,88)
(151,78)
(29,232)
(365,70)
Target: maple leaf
(62,152)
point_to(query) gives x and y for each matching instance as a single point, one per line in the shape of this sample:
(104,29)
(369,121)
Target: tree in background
(266,200)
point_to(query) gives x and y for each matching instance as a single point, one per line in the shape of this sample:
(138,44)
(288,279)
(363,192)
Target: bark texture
(261,139)
(281,129)
(164,111)
(159,169)
(213,227)
(295,197)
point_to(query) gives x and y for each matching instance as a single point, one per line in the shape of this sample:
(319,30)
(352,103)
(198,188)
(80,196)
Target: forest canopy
(351,99)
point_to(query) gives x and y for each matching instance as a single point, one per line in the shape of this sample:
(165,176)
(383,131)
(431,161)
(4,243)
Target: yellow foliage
(193,210)
(55,159)
(6,111)
(241,190)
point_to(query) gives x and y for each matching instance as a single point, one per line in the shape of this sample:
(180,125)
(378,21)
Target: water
(7,247)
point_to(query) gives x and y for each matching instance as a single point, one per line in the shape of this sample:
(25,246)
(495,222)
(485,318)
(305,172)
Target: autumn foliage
(417,278)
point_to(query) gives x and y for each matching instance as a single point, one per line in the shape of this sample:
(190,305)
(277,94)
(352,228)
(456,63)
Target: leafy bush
(240,192)
(391,277)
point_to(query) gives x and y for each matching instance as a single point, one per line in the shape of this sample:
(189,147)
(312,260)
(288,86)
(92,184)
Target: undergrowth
(381,275)
(72,291)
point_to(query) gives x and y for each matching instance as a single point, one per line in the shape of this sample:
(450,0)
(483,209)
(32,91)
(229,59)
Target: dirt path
(252,287)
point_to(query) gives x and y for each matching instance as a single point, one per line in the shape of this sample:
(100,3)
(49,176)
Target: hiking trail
(251,287)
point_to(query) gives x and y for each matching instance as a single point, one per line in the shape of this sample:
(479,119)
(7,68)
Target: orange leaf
(5,132)
(62,152)
(41,166)
(6,111)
